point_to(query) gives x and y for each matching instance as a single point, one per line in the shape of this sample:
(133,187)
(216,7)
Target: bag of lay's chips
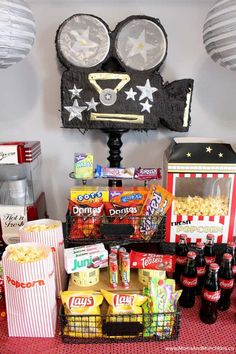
(84,306)
(128,306)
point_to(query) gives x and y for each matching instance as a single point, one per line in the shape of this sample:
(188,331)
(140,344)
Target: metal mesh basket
(119,328)
(102,229)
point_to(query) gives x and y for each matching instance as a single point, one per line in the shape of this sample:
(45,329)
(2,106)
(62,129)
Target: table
(195,337)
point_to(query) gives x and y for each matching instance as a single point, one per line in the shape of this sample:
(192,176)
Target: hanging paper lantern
(17,31)
(219,33)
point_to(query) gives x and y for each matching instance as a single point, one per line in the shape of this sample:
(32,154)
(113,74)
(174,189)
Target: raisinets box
(200,173)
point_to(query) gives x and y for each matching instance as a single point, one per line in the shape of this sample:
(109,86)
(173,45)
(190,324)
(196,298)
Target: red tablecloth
(195,337)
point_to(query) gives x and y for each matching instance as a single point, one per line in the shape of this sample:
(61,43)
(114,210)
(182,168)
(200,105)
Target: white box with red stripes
(201,175)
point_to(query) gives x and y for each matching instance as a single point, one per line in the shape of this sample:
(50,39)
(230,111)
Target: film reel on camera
(112,78)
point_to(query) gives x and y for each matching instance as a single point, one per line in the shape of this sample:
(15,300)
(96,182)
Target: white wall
(30,90)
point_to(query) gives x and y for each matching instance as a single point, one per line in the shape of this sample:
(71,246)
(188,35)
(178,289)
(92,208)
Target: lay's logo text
(123,300)
(81,301)
(28,285)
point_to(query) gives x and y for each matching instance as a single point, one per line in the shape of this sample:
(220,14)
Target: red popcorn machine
(21,194)
(201,175)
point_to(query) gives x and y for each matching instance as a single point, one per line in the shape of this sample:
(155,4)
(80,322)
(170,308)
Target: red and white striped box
(49,233)
(30,294)
(201,176)
(18,152)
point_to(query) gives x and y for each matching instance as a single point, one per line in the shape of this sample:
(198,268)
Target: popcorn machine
(201,176)
(21,193)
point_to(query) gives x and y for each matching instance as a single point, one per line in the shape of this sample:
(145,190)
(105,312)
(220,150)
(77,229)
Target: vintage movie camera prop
(111,79)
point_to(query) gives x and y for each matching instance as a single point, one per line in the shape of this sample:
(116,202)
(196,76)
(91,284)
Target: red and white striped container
(52,237)
(30,295)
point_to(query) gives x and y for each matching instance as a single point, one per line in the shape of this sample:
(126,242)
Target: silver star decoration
(130,94)
(75,92)
(147,91)
(75,110)
(146,106)
(92,105)
(189,154)
(140,46)
(82,42)
(209,149)
(220,155)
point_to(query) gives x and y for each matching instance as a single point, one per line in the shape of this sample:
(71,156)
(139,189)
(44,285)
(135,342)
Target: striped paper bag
(48,232)
(30,290)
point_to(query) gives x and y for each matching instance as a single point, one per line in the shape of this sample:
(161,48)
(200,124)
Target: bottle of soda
(181,257)
(210,296)
(209,251)
(226,282)
(188,281)
(201,267)
(231,246)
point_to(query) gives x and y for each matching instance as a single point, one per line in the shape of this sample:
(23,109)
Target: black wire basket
(83,329)
(83,230)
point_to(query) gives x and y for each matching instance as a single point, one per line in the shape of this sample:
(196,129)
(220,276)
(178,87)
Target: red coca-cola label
(210,260)
(181,260)
(212,296)
(201,271)
(188,282)
(226,283)
(234,269)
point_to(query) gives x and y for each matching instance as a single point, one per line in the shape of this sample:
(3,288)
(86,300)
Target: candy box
(201,175)
(89,194)
(83,165)
(29,281)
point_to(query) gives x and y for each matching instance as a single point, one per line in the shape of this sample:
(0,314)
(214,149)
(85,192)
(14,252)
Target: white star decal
(209,149)
(131,94)
(220,155)
(75,110)
(147,91)
(146,106)
(189,154)
(75,92)
(140,46)
(82,42)
(92,105)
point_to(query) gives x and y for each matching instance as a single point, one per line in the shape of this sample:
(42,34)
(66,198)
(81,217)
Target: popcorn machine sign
(204,185)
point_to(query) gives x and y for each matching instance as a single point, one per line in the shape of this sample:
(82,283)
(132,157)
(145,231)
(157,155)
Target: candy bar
(112,172)
(145,174)
(152,261)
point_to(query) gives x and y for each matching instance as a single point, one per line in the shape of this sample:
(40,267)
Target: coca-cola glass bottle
(209,251)
(210,296)
(201,267)
(188,281)
(231,246)
(181,257)
(226,282)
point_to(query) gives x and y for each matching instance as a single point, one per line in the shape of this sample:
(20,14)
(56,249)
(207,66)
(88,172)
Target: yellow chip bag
(85,306)
(124,304)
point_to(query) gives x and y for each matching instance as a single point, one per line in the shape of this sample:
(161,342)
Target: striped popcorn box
(29,280)
(49,233)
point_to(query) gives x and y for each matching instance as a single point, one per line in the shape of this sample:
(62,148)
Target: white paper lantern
(219,33)
(17,31)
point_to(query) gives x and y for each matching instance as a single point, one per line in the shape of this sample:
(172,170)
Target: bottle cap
(227,256)
(200,245)
(183,236)
(210,237)
(214,266)
(191,255)
(231,244)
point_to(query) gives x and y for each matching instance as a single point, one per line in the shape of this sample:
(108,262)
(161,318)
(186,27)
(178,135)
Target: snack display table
(195,337)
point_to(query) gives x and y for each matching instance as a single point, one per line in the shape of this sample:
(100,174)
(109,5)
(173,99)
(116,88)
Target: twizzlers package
(30,289)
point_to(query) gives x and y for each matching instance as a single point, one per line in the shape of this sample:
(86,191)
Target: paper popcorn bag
(29,280)
(49,233)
